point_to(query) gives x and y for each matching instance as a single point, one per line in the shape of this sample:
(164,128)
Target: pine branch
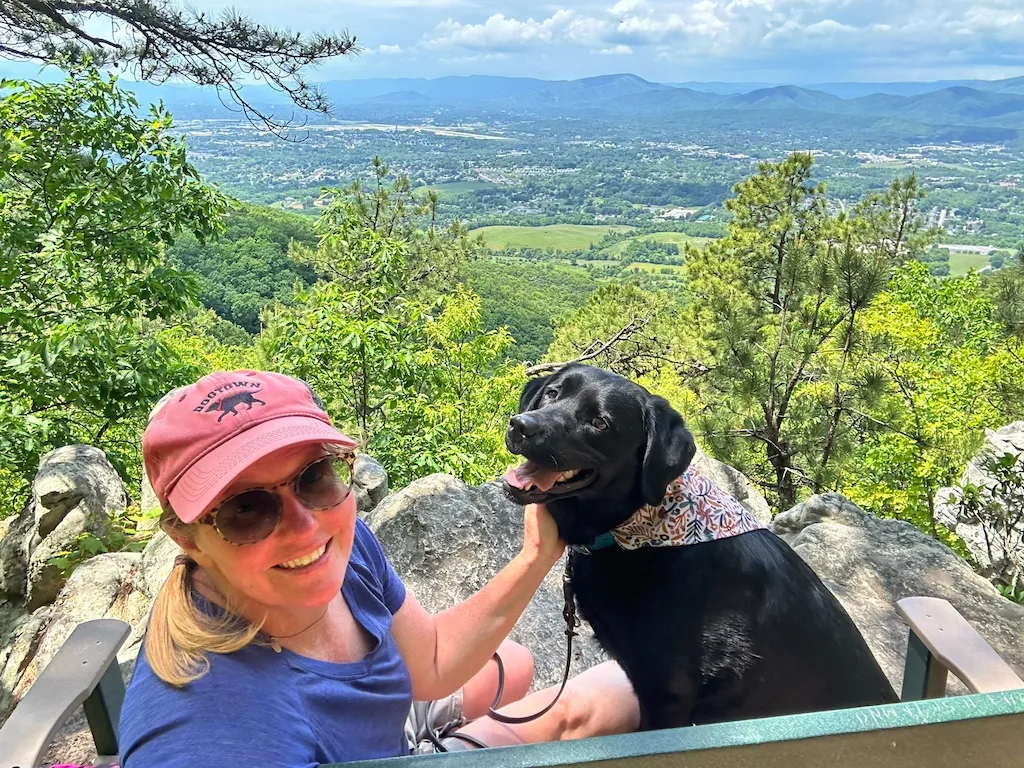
(162,41)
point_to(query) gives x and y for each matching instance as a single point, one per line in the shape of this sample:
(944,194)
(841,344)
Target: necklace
(274,638)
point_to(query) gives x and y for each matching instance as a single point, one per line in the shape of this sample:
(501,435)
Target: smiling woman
(284,637)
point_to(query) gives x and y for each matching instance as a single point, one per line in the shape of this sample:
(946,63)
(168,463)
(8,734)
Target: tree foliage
(89,195)
(948,373)
(774,308)
(414,374)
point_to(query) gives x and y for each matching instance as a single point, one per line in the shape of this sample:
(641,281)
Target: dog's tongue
(529,473)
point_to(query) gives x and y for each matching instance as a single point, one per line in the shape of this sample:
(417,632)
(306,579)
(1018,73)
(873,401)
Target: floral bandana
(694,511)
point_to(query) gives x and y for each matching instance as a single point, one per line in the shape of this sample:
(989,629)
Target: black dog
(735,628)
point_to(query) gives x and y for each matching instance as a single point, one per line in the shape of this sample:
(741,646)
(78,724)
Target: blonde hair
(180,635)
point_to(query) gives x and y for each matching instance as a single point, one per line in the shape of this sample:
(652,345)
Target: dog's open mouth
(530,483)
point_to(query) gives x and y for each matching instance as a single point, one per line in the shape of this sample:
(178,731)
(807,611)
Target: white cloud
(502,33)
(618,50)
(388,50)
(623,7)
(747,29)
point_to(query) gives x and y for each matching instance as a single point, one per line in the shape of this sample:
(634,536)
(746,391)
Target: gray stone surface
(870,563)
(371,482)
(446,540)
(998,552)
(75,491)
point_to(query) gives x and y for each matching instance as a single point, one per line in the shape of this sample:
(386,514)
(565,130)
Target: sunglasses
(254,514)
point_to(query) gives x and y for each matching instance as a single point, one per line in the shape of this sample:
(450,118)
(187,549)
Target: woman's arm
(445,650)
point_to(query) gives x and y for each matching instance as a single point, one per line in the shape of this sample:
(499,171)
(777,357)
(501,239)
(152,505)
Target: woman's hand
(540,535)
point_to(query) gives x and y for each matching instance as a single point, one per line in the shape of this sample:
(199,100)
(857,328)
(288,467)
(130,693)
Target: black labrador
(730,629)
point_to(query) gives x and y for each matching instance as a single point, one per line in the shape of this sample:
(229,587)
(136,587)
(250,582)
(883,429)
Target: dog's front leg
(664,702)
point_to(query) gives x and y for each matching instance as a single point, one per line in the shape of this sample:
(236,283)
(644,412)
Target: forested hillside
(810,344)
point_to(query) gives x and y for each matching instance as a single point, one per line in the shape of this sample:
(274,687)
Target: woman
(283,637)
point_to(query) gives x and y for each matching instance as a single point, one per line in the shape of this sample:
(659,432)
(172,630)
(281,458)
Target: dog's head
(590,435)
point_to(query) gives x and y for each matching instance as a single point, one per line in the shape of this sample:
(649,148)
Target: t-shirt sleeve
(223,719)
(392,588)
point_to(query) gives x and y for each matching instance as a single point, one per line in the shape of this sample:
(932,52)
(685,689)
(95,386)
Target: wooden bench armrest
(943,640)
(84,672)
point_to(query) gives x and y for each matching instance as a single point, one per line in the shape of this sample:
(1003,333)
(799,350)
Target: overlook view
(800,223)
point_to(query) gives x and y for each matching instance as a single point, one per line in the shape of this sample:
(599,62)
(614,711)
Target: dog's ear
(531,392)
(670,449)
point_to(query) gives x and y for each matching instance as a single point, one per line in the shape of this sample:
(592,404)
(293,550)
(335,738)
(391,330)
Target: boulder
(97,589)
(998,552)
(370,480)
(447,540)
(76,491)
(870,563)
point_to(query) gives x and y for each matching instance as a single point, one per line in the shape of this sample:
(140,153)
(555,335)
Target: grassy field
(638,266)
(959,263)
(678,238)
(455,188)
(560,237)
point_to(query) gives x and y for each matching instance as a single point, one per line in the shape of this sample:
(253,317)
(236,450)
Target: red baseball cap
(208,433)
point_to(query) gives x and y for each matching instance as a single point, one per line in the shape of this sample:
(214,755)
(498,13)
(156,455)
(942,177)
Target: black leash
(571,623)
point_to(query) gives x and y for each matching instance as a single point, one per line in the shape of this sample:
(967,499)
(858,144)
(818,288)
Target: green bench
(925,730)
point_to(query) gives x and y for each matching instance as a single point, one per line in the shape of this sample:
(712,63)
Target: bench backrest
(983,731)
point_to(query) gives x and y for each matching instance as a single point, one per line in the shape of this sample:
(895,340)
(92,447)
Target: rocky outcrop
(370,481)
(994,541)
(447,539)
(870,563)
(76,491)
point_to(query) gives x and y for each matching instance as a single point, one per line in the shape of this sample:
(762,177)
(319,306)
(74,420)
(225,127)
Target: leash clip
(569,608)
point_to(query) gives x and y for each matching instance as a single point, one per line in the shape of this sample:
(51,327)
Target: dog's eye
(599,423)
(551,394)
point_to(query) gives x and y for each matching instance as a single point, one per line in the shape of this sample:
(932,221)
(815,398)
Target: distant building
(678,213)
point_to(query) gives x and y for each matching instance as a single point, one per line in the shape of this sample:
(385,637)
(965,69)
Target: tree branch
(596,348)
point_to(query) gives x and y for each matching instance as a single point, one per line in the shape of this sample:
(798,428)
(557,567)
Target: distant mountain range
(994,108)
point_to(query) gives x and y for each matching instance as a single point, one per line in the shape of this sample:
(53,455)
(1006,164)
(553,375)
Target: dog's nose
(524,424)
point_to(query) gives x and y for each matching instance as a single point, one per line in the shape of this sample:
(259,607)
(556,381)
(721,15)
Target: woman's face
(265,576)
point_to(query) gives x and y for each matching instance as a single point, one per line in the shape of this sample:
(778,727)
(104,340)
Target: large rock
(870,563)
(997,549)
(76,491)
(370,481)
(447,540)
(97,589)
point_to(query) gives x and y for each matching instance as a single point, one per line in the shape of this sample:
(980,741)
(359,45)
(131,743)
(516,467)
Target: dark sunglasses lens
(249,517)
(324,484)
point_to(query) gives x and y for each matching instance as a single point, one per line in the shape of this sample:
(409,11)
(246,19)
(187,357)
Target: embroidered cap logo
(230,403)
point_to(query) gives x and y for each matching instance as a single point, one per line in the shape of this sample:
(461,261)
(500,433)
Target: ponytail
(180,635)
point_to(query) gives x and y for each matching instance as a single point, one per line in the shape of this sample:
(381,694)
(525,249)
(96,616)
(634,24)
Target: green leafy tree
(353,339)
(432,254)
(948,374)
(452,416)
(621,327)
(775,305)
(422,384)
(90,193)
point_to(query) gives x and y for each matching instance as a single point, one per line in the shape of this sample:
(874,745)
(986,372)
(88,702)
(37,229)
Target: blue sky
(794,41)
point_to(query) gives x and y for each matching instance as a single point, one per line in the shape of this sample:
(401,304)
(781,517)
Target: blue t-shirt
(257,707)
